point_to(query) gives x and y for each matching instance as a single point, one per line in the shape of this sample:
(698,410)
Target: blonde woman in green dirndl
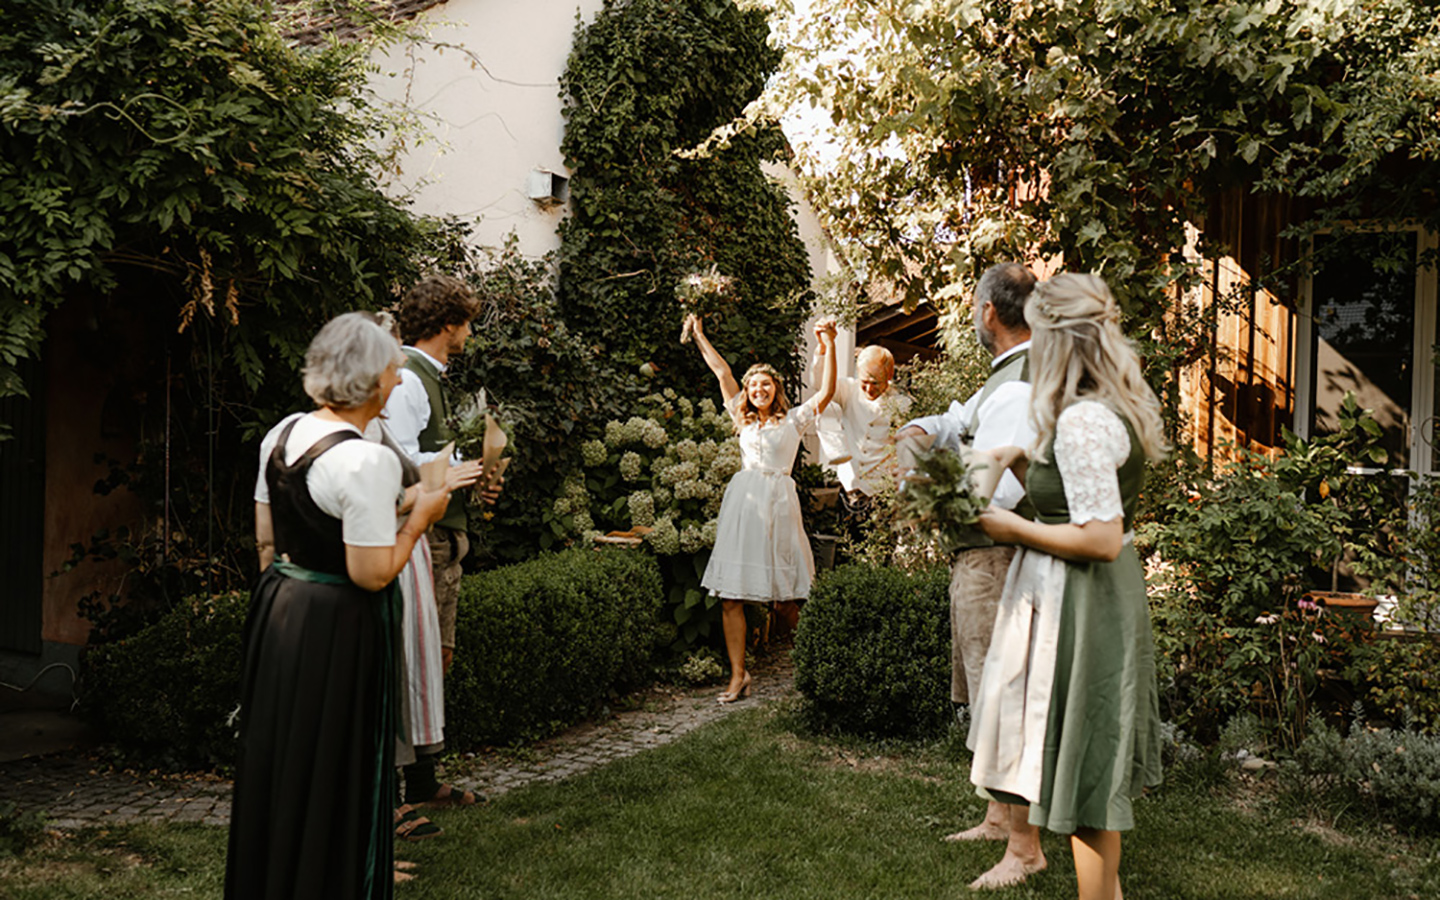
(1067,719)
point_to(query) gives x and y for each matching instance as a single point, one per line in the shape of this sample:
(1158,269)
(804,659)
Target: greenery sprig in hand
(944,495)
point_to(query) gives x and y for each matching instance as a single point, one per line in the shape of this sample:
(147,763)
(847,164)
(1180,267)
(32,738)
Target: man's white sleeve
(947,426)
(406,414)
(1004,421)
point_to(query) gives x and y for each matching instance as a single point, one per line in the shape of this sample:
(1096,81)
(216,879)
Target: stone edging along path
(72,790)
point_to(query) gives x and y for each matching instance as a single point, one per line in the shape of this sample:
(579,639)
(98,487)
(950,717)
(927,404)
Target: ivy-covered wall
(563,355)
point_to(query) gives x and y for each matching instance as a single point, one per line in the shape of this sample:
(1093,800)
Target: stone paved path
(75,791)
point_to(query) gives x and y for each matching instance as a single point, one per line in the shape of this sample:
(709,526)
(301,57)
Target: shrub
(1392,774)
(18,829)
(541,643)
(167,691)
(872,655)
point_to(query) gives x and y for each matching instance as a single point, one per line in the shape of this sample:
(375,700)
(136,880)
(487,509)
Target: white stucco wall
(488,82)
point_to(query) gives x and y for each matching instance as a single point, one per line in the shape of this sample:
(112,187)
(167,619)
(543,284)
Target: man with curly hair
(435,318)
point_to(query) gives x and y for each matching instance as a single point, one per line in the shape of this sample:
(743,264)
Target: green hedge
(540,644)
(872,655)
(167,691)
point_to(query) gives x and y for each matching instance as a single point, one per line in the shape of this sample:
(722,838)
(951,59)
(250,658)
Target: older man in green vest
(997,415)
(435,318)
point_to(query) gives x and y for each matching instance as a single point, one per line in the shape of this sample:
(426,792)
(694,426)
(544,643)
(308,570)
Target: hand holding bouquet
(701,293)
(945,494)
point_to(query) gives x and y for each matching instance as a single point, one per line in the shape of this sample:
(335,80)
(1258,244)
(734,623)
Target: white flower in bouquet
(594,453)
(702,293)
(632,466)
(642,509)
(687,450)
(664,539)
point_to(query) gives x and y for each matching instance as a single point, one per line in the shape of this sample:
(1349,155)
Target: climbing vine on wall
(647,78)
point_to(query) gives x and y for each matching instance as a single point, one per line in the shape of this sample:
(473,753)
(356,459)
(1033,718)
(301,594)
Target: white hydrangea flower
(634,430)
(663,496)
(685,471)
(582,521)
(705,455)
(642,508)
(654,434)
(708,531)
(712,505)
(668,393)
(687,409)
(632,466)
(692,539)
(562,506)
(664,538)
(687,450)
(575,489)
(614,433)
(687,425)
(707,406)
(594,453)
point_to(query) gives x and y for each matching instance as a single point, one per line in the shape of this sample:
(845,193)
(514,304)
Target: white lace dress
(761,552)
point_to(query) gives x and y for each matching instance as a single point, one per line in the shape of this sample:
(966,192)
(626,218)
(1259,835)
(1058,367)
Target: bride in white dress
(761,553)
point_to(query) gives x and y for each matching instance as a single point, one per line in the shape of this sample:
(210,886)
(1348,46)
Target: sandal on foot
(411,826)
(450,795)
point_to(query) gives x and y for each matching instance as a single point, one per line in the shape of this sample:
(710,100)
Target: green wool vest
(1016,368)
(437,433)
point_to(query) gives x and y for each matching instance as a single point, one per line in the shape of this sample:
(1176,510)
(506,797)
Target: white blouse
(357,482)
(1091,444)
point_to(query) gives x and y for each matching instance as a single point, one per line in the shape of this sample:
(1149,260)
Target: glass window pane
(1363,300)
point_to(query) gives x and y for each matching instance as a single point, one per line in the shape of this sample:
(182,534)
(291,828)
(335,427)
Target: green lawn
(745,808)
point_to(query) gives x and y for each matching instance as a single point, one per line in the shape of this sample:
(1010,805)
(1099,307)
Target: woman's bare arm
(1095,541)
(264,535)
(713,359)
(827,374)
(374,567)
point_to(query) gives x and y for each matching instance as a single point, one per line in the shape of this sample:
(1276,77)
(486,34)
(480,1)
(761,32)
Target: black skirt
(314,783)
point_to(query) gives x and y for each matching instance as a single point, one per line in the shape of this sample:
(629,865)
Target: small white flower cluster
(594,453)
(642,508)
(663,538)
(632,466)
(635,430)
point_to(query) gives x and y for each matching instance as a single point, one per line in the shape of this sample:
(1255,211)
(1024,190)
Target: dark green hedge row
(542,643)
(872,655)
(167,691)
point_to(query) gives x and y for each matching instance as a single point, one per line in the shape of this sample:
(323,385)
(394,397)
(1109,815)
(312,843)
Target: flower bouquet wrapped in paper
(479,436)
(701,293)
(944,493)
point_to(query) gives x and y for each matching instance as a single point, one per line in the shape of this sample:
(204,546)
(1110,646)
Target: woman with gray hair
(312,808)
(1071,667)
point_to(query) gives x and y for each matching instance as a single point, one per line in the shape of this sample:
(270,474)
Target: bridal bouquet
(479,436)
(702,293)
(944,495)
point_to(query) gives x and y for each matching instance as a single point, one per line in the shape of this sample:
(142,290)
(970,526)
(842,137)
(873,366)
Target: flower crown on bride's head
(763,369)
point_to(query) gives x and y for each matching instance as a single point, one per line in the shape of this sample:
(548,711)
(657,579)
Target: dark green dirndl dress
(1101,744)
(312,814)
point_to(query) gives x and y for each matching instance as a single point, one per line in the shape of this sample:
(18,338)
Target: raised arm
(716,362)
(827,373)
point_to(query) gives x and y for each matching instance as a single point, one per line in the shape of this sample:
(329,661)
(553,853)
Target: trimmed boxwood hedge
(540,644)
(872,655)
(166,692)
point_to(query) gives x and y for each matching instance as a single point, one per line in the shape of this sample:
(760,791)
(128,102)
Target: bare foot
(985,831)
(1008,871)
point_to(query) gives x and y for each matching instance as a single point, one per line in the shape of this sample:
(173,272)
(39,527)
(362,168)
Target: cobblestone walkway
(75,791)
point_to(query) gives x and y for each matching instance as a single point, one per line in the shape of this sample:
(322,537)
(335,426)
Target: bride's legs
(732,619)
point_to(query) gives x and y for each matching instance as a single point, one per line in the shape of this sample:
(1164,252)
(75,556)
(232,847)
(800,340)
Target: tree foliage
(185,147)
(967,131)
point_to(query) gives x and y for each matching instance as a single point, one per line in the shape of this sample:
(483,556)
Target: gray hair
(1004,286)
(344,362)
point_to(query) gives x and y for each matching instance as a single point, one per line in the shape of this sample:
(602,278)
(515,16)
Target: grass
(747,808)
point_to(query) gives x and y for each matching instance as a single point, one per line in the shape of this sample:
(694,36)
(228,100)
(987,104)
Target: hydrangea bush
(663,469)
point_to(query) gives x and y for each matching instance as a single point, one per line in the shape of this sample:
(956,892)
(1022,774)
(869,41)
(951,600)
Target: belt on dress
(768,470)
